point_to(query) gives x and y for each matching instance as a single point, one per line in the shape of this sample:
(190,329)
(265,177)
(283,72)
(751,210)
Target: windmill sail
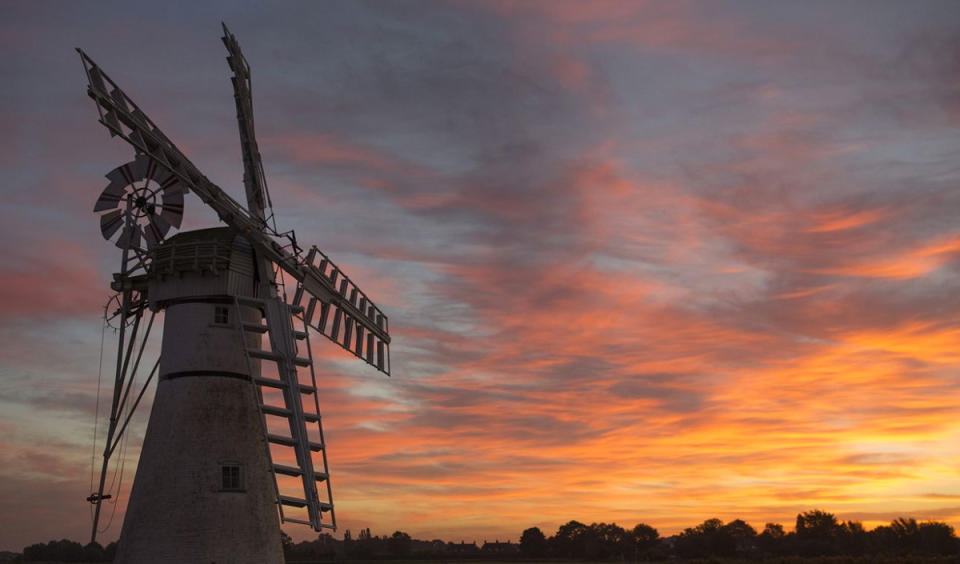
(355,323)
(254,181)
(338,322)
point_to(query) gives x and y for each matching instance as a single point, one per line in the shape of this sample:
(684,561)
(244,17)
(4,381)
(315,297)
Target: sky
(644,262)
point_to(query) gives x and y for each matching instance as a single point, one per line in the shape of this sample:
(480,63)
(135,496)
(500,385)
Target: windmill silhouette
(235,434)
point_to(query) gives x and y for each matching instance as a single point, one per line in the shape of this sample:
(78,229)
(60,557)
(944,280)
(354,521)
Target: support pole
(121,366)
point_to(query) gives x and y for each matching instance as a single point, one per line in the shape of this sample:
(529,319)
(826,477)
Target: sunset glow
(644,262)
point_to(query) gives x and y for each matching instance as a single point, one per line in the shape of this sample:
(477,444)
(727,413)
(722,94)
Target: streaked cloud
(643,262)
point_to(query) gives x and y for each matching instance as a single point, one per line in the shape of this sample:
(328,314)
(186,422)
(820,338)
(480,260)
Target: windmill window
(221,315)
(231,477)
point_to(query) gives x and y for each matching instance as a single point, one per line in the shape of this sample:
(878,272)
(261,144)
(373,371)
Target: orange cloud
(839,221)
(913,263)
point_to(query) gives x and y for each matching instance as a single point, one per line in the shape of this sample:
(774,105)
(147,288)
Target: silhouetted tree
(852,538)
(883,540)
(533,543)
(645,540)
(348,548)
(56,551)
(709,538)
(109,552)
(363,547)
(772,540)
(904,536)
(568,542)
(93,552)
(907,534)
(286,542)
(399,544)
(744,536)
(817,533)
(323,548)
(589,545)
(613,542)
(937,538)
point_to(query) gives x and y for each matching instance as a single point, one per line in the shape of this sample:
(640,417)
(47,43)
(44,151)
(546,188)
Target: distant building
(463,548)
(428,547)
(500,548)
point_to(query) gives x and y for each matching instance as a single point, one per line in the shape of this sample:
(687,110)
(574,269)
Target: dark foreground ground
(776,560)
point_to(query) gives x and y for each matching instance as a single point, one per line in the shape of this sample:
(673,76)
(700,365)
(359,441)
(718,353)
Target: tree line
(816,534)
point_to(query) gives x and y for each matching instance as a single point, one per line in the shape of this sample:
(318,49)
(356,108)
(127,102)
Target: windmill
(234,437)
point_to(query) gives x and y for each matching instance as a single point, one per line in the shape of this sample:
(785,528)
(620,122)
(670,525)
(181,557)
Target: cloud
(643,262)
(913,263)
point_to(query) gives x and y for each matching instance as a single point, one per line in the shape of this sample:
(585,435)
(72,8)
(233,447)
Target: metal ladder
(277,323)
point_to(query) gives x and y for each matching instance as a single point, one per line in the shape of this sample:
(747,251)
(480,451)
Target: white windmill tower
(234,436)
